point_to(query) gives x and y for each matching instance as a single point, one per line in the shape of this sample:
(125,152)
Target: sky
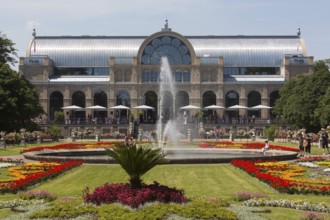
(187,17)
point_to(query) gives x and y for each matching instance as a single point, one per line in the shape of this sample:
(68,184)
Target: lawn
(206,181)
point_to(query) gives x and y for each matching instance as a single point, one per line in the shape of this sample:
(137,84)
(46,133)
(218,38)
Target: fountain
(168,131)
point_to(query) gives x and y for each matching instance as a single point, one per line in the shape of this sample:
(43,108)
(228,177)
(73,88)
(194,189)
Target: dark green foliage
(136,160)
(196,209)
(59,117)
(55,131)
(19,101)
(301,97)
(7,50)
(270,132)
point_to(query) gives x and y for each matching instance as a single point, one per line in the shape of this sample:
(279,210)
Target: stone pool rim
(98,156)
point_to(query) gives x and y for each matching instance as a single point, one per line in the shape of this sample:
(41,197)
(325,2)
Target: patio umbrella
(97,107)
(261,107)
(72,107)
(144,107)
(236,107)
(189,107)
(214,107)
(120,107)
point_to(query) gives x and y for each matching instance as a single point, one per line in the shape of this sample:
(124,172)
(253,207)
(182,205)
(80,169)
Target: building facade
(124,70)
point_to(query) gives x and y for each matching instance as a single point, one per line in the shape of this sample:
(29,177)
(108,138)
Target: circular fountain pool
(174,155)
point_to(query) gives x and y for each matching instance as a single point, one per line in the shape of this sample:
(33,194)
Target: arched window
(181,99)
(100,98)
(166,46)
(254,98)
(232,98)
(150,99)
(78,98)
(209,98)
(55,103)
(123,98)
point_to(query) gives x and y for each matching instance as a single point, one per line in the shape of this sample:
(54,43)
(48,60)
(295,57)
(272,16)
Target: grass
(16,149)
(207,181)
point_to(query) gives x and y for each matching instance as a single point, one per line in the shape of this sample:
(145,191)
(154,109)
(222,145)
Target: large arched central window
(166,46)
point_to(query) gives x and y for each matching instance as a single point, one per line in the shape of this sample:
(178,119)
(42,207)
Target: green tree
(270,132)
(19,100)
(323,110)
(300,97)
(136,160)
(55,131)
(7,51)
(59,117)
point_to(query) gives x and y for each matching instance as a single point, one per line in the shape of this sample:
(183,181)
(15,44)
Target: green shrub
(197,209)
(37,194)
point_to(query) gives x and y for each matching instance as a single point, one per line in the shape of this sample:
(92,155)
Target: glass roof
(237,51)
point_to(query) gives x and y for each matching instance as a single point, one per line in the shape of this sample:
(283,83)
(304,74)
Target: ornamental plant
(133,197)
(243,196)
(37,194)
(136,160)
(312,216)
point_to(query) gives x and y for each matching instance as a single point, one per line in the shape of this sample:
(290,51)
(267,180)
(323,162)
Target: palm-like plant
(136,160)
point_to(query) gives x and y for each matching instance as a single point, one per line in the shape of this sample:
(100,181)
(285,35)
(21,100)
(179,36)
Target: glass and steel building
(124,70)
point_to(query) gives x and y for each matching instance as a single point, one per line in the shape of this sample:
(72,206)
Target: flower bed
(290,177)
(133,197)
(295,204)
(243,145)
(70,146)
(23,176)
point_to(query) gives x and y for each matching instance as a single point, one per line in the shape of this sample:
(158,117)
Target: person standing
(307,145)
(301,143)
(325,142)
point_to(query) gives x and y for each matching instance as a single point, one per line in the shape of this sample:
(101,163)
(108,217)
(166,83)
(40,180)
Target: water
(167,132)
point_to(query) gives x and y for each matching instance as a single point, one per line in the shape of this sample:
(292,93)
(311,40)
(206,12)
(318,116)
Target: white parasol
(261,107)
(120,107)
(72,107)
(236,107)
(97,107)
(189,107)
(144,107)
(214,107)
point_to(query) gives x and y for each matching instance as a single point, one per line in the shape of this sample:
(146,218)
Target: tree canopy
(303,101)
(19,100)
(7,51)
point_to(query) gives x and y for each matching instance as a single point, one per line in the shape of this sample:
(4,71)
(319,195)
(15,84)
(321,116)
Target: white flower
(326,170)
(308,164)
(5,165)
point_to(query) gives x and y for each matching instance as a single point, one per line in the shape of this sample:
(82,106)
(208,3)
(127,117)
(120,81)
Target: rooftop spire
(34,33)
(299,32)
(166,26)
